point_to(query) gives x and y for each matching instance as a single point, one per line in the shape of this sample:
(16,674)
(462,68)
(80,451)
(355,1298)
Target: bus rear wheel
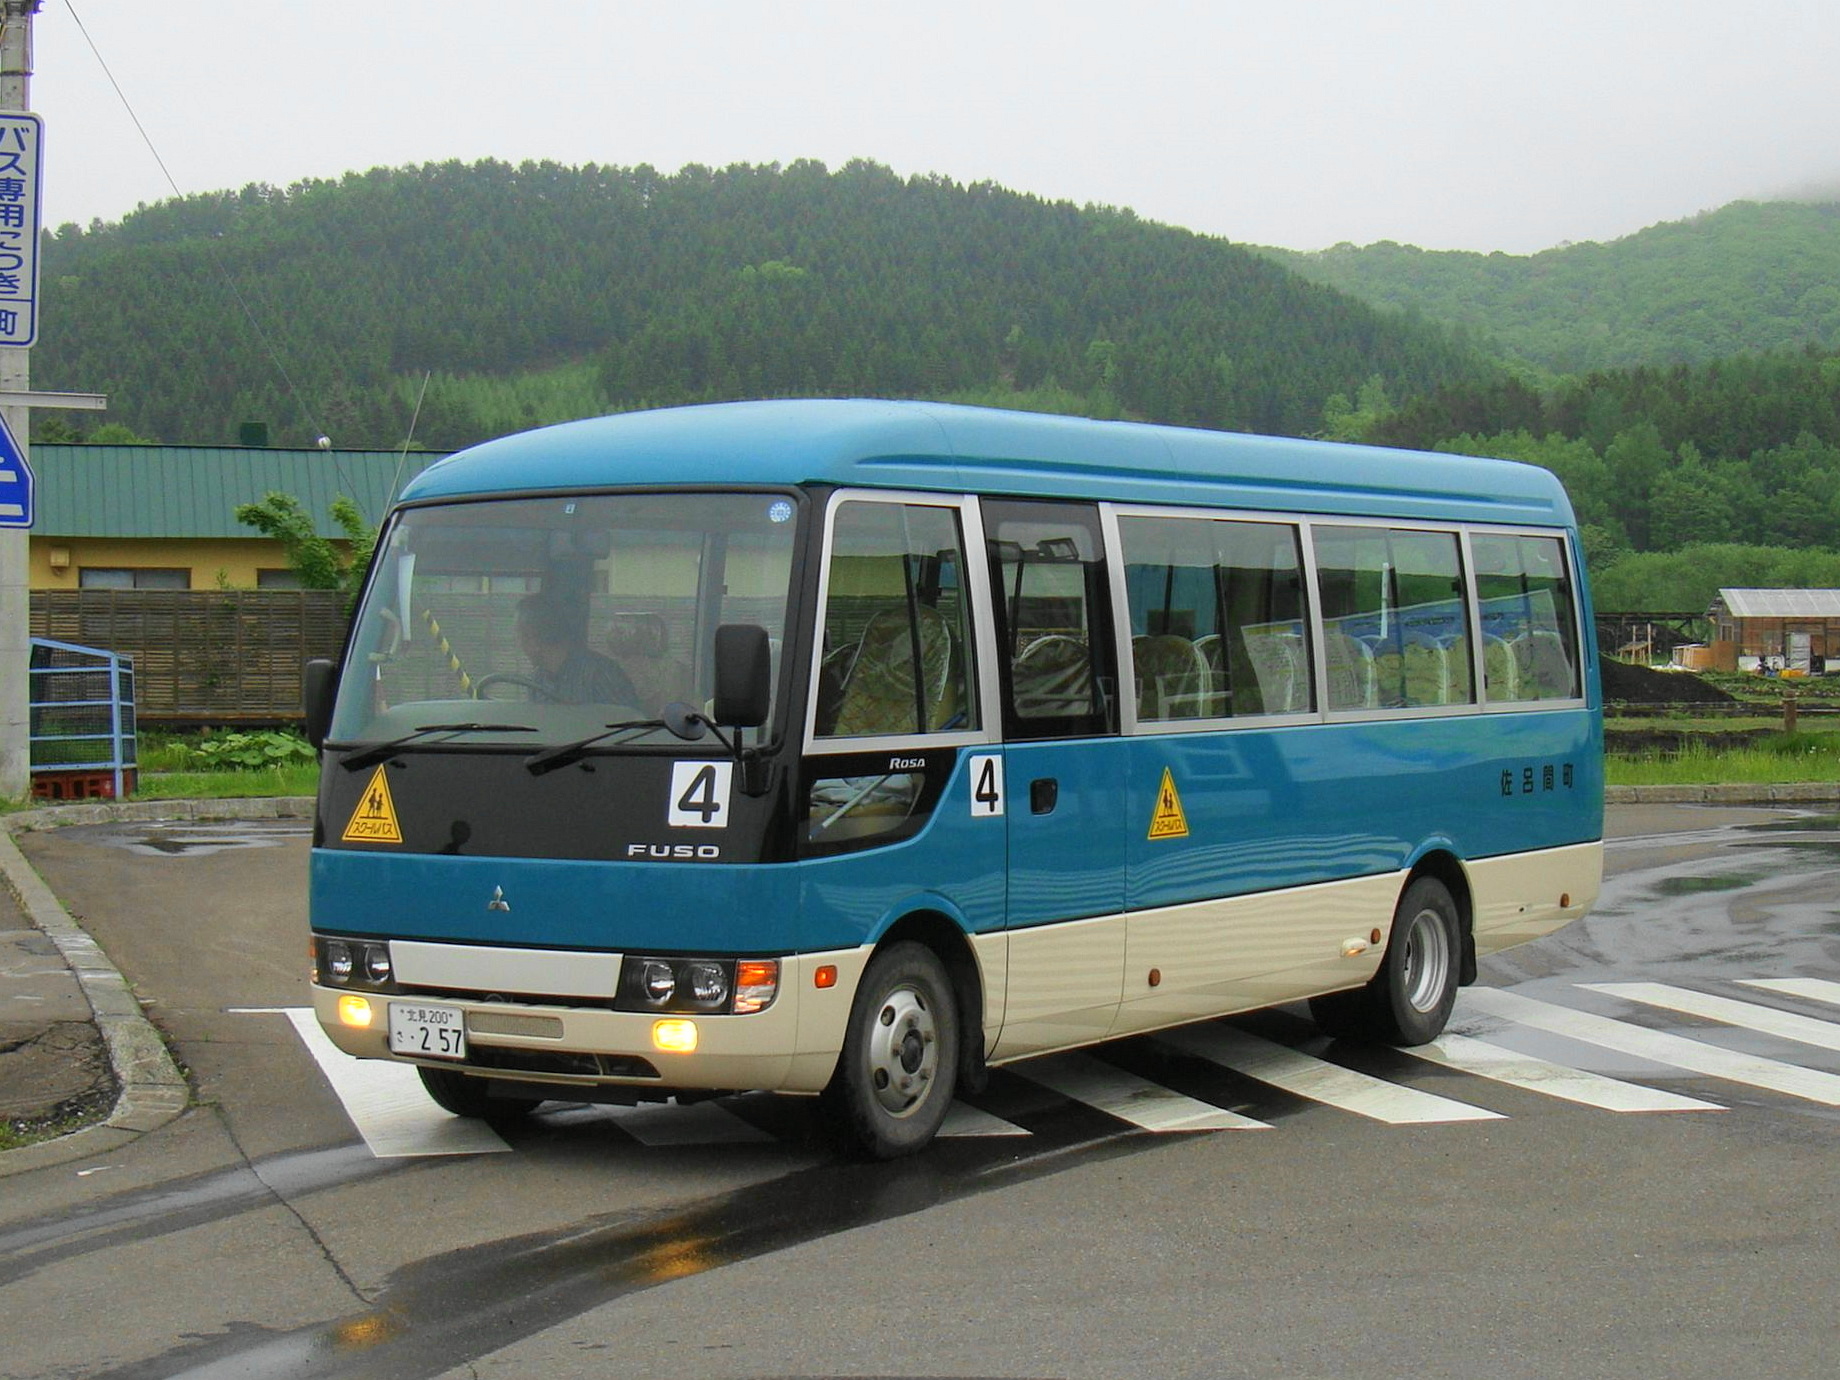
(1410,998)
(466,1096)
(899,1067)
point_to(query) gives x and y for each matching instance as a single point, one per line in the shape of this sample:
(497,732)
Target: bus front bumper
(789,1047)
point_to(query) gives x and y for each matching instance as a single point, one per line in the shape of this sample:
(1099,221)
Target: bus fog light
(355,1012)
(756,984)
(674,1037)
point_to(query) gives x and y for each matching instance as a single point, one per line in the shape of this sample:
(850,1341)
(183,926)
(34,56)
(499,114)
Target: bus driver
(566,670)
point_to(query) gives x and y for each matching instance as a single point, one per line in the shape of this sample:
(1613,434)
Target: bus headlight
(659,981)
(701,986)
(708,983)
(361,964)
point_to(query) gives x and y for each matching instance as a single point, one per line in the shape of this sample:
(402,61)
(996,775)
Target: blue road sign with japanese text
(15,481)
(21,135)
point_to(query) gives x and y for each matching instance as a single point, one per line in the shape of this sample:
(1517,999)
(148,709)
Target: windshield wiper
(679,718)
(376,752)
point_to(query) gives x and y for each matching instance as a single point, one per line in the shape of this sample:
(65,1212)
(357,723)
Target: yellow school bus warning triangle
(374,821)
(1167,821)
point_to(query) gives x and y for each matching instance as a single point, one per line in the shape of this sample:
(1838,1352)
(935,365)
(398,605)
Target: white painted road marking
(1319,1080)
(1690,1055)
(1814,989)
(1553,1080)
(1766,1020)
(1124,1095)
(385,1101)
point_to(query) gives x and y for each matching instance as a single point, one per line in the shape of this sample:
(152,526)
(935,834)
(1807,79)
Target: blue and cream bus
(851,748)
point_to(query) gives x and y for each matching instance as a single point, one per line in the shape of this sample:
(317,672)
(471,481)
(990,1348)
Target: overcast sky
(1486,124)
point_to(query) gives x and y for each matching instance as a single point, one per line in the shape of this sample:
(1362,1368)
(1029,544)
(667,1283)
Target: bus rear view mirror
(318,681)
(744,675)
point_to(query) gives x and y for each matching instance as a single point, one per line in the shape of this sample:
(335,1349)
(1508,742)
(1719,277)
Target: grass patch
(227,785)
(1778,757)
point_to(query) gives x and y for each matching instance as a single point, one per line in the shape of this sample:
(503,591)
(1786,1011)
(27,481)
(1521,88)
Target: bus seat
(878,693)
(1278,667)
(641,644)
(1545,668)
(1351,671)
(1222,693)
(1052,677)
(1171,674)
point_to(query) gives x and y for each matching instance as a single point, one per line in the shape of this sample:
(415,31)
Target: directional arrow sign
(15,481)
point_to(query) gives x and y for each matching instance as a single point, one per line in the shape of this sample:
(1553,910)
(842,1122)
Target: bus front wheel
(464,1096)
(1410,998)
(899,1067)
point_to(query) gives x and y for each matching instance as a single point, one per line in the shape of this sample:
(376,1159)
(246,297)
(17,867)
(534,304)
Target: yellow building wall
(54,562)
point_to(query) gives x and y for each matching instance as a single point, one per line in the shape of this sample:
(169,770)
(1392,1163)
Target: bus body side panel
(1066,892)
(1258,814)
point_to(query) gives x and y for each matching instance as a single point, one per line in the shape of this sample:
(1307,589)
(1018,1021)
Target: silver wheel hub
(1427,960)
(903,1050)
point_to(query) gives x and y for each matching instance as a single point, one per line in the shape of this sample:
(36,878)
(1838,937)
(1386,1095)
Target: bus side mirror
(744,675)
(318,682)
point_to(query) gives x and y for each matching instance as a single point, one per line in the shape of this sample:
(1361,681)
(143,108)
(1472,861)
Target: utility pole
(15,377)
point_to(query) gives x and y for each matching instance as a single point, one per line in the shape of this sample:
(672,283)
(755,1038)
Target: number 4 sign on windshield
(699,795)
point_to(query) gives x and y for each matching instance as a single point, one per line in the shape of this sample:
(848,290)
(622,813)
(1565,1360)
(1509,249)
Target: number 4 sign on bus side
(986,786)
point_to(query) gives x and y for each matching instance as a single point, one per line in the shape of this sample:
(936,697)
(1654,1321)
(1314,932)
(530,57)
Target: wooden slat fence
(203,656)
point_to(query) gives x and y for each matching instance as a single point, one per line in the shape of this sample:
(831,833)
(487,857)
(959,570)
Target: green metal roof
(194,491)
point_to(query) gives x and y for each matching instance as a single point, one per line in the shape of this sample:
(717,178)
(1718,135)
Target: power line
(217,262)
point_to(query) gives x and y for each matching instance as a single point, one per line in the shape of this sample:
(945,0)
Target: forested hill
(1752,276)
(537,292)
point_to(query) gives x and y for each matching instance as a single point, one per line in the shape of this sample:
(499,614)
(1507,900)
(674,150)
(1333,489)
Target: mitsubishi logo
(498,901)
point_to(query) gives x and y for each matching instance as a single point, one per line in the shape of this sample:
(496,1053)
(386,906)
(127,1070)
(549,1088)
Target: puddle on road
(1694,886)
(200,839)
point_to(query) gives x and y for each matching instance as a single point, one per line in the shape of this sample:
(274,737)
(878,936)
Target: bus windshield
(536,621)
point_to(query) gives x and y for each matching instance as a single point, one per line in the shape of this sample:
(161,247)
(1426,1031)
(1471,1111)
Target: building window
(277,579)
(117,577)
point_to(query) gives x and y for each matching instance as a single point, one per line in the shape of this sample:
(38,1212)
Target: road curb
(151,1090)
(1789,793)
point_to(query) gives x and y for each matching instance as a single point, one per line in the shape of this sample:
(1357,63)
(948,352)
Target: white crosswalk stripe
(386,1103)
(1694,1056)
(1124,1095)
(1319,1080)
(389,1109)
(1811,989)
(1538,1075)
(1767,1020)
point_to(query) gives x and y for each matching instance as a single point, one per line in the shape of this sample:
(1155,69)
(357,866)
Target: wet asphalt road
(259,1236)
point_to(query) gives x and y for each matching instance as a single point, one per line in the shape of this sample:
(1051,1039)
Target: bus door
(1064,766)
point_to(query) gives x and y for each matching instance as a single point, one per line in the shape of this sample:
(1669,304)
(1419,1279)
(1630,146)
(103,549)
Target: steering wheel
(484,683)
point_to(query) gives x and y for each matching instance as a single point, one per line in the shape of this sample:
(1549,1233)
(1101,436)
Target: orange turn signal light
(825,975)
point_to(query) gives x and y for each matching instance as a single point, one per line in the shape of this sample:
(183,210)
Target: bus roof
(945,448)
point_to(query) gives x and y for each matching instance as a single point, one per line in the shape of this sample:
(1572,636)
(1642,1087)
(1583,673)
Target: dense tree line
(327,305)
(1737,461)
(1749,277)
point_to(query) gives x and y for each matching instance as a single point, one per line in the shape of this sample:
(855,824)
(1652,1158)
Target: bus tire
(1410,998)
(466,1096)
(898,1071)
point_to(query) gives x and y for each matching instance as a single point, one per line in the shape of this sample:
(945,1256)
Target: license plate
(427,1032)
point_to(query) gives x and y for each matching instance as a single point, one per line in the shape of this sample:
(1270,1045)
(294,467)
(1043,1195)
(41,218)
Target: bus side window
(1529,640)
(1054,630)
(1217,618)
(897,645)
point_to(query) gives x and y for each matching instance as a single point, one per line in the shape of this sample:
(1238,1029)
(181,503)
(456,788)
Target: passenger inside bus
(566,669)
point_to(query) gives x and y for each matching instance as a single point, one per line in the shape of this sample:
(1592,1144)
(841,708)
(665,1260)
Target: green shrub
(252,751)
